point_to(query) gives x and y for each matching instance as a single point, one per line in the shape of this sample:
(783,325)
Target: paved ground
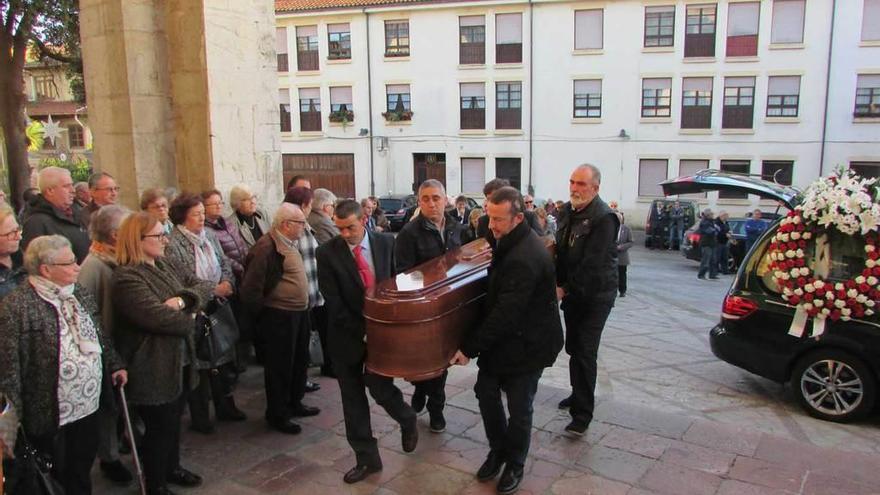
(671,419)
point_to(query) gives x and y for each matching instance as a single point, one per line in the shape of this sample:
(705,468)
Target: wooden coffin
(416,321)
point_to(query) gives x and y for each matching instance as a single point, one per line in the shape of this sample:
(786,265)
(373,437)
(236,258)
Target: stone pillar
(183,93)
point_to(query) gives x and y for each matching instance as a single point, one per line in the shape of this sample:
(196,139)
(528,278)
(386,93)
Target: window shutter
(784,85)
(868,81)
(305,31)
(341,95)
(472,20)
(309,93)
(696,84)
(656,83)
(739,82)
(588,87)
(651,174)
(473,174)
(508,28)
(588,29)
(473,89)
(284,98)
(871,21)
(395,89)
(788,21)
(660,10)
(743,19)
(281,40)
(338,28)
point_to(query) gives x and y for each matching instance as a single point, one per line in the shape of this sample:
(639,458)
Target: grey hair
(284,213)
(322,198)
(706,213)
(79,186)
(42,250)
(434,183)
(239,193)
(104,221)
(51,177)
(597,174)
(95,177)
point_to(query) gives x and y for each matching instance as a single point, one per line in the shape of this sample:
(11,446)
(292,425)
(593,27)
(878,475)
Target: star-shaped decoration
(51,130)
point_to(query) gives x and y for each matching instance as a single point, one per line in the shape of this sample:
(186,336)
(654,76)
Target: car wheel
(731,264)
(834,385)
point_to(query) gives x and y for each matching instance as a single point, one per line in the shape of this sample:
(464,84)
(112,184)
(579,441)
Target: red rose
(864,287)
(792,245)
(866,272)
(802,244)
(850,284)
(835,315)
(801,281)
(821,292)
(808,297)
(876,271)
(794,300)
(873,255)
(851,302)
(858,312)
(841,294)
(799,262)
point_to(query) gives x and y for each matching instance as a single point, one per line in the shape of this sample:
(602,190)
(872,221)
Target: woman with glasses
(11,271)
(195,249)
(155,202)
(226,232)
(55,358)
(251,222)
(154,302)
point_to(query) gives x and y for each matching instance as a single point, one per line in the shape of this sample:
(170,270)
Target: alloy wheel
(832,387)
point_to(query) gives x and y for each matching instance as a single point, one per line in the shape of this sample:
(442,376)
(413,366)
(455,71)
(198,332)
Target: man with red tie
(349,265)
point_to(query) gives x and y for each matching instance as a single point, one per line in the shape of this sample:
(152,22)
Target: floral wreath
(846,203)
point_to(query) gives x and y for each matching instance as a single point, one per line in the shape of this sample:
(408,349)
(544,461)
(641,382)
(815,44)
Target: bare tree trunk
(12,107)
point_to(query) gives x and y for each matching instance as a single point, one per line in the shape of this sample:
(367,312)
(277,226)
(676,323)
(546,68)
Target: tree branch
(46,52)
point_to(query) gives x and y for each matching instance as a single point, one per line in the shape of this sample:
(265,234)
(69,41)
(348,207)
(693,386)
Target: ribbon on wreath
(821,270)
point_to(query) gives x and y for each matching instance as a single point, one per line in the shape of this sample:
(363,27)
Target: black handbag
(216,332)
(31,471)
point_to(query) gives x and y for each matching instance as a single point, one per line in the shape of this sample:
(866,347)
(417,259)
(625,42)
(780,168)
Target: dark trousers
(73,448)
(353,382)
(287,359)
(621,279)
(508,436)
(160,448)
(657,237)
(708,263)
(214,384)
(435,390)
(320,322)
(722,253)
(583,331)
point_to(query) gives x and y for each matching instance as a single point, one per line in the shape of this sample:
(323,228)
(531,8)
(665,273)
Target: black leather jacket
(586,253)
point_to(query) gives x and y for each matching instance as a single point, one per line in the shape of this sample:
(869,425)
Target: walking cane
(139,471)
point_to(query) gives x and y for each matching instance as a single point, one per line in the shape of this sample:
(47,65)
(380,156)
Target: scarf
(207,262)
(70,313)
(104,253)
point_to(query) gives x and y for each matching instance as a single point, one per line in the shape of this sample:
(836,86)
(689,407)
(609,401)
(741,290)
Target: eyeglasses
(12,233)
(301,222)
(529,202)
(214,204)
(159,237)
(113,189)
(67,263)
(252,198)
(154,206)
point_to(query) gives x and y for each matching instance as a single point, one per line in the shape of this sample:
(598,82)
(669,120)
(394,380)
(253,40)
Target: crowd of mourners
(171,303)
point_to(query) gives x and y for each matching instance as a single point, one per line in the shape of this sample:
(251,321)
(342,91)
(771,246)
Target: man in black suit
(461,212)
(349,265)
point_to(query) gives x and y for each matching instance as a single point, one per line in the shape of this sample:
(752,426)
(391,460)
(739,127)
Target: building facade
(377,96)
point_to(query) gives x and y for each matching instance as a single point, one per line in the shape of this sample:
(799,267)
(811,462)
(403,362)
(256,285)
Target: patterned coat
(232,243)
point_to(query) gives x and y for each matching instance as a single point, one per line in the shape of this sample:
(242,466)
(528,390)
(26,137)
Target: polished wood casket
(415,322)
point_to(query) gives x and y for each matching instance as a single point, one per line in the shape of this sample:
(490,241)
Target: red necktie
(363,268)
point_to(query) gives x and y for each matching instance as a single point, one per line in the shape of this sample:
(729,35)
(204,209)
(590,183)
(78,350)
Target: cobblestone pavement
(671,419)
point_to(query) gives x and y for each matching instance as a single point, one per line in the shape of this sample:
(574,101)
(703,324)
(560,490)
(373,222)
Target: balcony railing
(737,117)
(472,53)
(699,45)
(473,118)
(310,121)
(696,117)
(307,60)
(508,118)
(510,53)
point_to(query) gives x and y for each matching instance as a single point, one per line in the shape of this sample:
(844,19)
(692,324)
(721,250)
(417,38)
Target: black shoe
(565,403)
(419,399)
(286,425)
(116,472)
(510,480)
(359,472)
(312,386)
(491,466)
(577,428)
(227,411)
(714,278)
(409,436)
(203,428)
(184,477)
(160,491)
(438,423)
(701,278)
(302,411)
(623,294)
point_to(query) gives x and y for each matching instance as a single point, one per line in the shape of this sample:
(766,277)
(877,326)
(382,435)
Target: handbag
(316,354)
(31,471)
(216,332)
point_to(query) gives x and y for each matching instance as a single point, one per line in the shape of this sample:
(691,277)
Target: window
(397,103)
(656,97)
(739,102)
(742,29)
(284,106)
(588,29)
(868,170)
(341,109)
(696,103)
(651,174)
(307,47)
(588,98)
(868,96)
(779,171)
(338,42)
(473,174)
(508,105)
(510,169)
(871,21)
(44,87)
(735,167)
(309,109)
(660,26)
(783,95)
(473,105)
(397,38)
(508,38)
(472,40)
(281,49)
(76,136)
(788,22)
(691,167)
(699,38)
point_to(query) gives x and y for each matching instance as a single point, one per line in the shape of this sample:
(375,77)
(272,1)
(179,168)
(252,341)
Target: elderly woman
(11,271)
(155,202)
(195,249)
(250,221)
(55,358)
(95,275)
(154,303)
(227,234)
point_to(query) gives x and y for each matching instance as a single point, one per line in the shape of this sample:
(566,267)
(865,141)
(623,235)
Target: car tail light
(737,307)
(694,238)
(401,211)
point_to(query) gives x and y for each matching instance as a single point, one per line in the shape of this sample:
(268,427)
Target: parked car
(690,245)
(834,376)
(690,218)
(395,207)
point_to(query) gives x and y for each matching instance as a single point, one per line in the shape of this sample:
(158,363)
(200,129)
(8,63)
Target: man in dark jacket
(659,219)
(349,265)
(483,222)
(428,236)
(586,275)
(708,231)
(519,337)
(54,212)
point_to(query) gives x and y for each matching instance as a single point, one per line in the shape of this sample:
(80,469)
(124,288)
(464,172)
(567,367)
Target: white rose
(796,220)
(818,303)
(808,306)
(869,312)
(826,311)
(809,288)
(852,293)
(872,280)
(818,284)
(838,286)
(846,311)
(870,263)
(860,279)
(869,248)
(795,272)
(804,271)
(785,276)
(870,303)
(798,292)
(829,295)
(861,298)
(783,237)
(791,254)
(840,303)
(795,236)
(800,253)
